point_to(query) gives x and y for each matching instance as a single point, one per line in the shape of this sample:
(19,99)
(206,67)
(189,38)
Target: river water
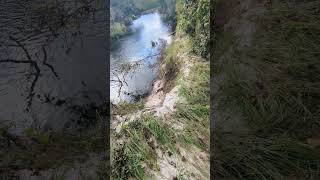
(141,47)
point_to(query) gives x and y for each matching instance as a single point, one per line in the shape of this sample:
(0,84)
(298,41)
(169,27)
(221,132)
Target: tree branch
(47,64)
(15,61)
(33,64)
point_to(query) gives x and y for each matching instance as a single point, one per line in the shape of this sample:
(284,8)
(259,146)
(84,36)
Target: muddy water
(142,46)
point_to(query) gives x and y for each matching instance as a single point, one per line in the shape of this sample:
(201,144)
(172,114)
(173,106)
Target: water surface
(134,48)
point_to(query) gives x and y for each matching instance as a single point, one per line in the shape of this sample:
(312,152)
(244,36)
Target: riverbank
(170,118)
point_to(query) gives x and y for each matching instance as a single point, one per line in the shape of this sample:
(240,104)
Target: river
(141,47)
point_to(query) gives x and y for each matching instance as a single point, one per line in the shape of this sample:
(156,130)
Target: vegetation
(270,88)
(41,151)
(193,20)
(124,12)
(124,108)
(141,138)
(195,114)
(136,147)
(168,11)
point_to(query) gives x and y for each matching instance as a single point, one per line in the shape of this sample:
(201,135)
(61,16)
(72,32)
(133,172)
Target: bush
(194,20)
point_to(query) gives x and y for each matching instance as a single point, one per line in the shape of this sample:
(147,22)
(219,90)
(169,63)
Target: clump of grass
(279,89)
(127,108)
(194,114)
(197,90)
(274,86)
(251,157)
(196,123)
(138,151)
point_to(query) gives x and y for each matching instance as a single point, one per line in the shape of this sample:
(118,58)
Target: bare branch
(47,64)
(33,64)
(22,47)
(15,61)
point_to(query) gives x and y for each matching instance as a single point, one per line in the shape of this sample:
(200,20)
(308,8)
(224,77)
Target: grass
(274,86)
(197,90)
(134,150)
(276,81)
(251,157)
(139,140)
(195,113)
(127,108)
(195,119)
(138,151)
(168,71)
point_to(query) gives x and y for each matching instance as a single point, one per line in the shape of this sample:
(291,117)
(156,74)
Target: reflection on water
(137,47)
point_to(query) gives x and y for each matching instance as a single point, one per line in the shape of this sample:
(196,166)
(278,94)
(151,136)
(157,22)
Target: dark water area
(71,55)
(141,47)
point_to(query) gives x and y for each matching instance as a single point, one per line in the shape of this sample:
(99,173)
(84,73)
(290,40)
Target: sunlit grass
(138,152)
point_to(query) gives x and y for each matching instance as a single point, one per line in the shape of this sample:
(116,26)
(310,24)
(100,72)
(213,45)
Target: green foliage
(124,12)
(168,10)
(117,30)
(144,5)
(193,19)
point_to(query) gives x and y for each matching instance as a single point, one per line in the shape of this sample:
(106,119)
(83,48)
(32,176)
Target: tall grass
(195,112)
(137,154)
(273,158)
(276,82)
(274,86)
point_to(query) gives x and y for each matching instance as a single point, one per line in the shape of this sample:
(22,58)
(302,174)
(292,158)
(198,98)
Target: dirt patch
(157,95)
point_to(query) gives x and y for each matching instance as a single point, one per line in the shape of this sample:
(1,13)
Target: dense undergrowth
(193,20)
(272,87)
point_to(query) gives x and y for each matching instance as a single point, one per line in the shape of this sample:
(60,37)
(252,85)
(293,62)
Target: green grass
(273,88)
(251,157)
(195,119)
(141,138)
(197,91)
(127,108)
(195,113)
(275,82)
